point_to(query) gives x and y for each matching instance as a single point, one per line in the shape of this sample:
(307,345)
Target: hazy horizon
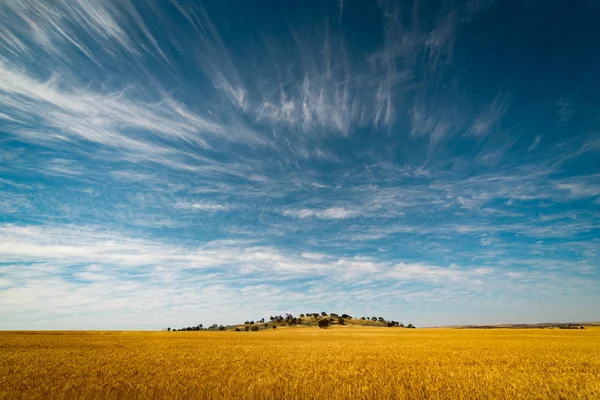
(170,163)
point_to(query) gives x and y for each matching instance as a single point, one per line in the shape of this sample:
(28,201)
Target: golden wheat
(348,363)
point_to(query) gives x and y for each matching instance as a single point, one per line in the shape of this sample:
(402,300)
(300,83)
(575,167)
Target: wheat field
(342,363)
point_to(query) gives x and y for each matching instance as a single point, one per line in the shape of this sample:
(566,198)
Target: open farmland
(352,362)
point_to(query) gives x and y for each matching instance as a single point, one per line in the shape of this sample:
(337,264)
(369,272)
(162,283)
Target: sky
(172,162)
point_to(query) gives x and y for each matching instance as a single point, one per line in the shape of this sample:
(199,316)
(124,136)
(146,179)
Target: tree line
(322,320)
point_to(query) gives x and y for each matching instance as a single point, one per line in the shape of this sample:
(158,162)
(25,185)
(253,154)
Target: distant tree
(301,315)
(262,320)
(315,315)
(581,327)
(410,326)
(374,319)
(274,326)
(381,319)
(237,330)
(221,328)
(346,316)
(265,325)
(246,328)
(200,326)
(363,318)
(341,321)
(254,328)
(401,325)
(246,322)
(323,323)
(168,329)
(323,313)
(333,315)
(390,324)
(272,318)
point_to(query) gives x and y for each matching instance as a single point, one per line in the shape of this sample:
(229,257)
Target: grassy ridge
(345,362)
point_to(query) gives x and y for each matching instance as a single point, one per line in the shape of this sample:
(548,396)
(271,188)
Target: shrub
(237,330)
(410,326)
(221,328)
(254,328)
(374,319)
(341,321)
(274,326)
(265,325)
(363,318)
(246,328)
(301,315)
(324,313)
(323,323)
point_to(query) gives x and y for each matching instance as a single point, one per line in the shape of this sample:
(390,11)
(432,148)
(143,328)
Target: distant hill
(321,320)
(548,325)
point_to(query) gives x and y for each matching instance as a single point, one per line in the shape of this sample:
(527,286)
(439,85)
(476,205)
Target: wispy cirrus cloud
(169,159)
(490,118)
(116,270)
(328,213)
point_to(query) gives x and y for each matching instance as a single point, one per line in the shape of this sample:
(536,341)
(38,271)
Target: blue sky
(169,163)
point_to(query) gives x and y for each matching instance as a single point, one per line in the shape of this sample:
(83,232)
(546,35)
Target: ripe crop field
(338,363)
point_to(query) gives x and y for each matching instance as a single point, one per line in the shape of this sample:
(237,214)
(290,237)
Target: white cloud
(490,118)
(535,144)
(581,187)
(328,213)
(428,273)
(205,206)
(313,256)
(58,277)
